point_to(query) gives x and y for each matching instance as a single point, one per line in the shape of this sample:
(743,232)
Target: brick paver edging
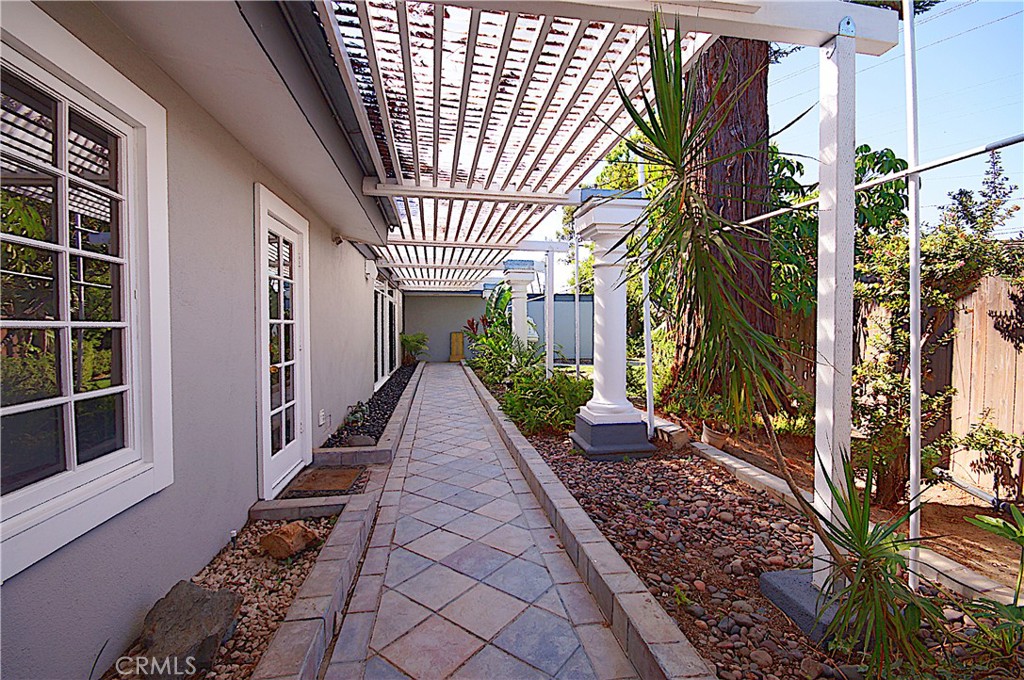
(933,566)
(297,649)
(384,450)
(649,636)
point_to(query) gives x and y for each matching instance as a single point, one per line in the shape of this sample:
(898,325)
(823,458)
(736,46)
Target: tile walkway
(463,577)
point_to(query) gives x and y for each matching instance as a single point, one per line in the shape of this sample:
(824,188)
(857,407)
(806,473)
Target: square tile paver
(433,649)
(402,564)
(472,525)
(491,663)
(500,509)
(408,529)
(541,639)
(520,578)
(483,610)
(439,514)
(438,544)
(469,500)
(577,668)
(439,491)
(379,669)
(396,617)
(510,539)
(436,587)
(476,560)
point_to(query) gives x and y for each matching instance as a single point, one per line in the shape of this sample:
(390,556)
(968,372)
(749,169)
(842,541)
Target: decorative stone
(360,440)
(287,540)
(761,658)
(189,623)
(811,668)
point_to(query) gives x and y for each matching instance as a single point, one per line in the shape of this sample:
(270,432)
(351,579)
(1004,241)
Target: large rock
(189,622)
(360,440)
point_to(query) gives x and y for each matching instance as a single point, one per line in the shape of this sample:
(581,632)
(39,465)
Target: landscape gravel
(380,407)
(267,587)
(699,539)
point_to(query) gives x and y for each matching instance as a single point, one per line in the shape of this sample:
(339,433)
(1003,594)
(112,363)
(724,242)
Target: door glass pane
(275,343)
(287,299)
(28,286)
(391,336)
(272,254)
(95,290)
(289,383)
(27,121)
(28,208)
(289,425)
(99,426)
(92,221)
(286,258)
(274,293)
(275,387)
(288,342)
(96,358)
(31,365)
(92,151)
(275,433)
(33,446)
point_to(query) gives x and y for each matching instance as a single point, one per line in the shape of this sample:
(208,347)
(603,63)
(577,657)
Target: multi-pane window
(65,392)
(281,282)
(385,321)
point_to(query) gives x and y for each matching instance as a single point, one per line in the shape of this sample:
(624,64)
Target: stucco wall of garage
(58,613)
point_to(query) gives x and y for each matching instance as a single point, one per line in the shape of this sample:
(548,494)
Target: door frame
(271,209)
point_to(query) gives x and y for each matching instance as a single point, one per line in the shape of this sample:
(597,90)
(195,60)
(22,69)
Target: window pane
(27,201)
(275,433)
(92,151)
(92,221)
(29,289)
(275,343)
(288,348)
(96,358)
(95,290)
(275,298)
(275,387)
(33,446)
(286,258)
(289,425)
(27,121)
(272,254)
(99,426)
(31,365)
(287,299)
(289,383)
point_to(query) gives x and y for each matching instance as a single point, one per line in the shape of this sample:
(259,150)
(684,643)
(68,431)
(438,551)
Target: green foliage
(1001,455)
(537,403)
(1011,532)
(414,346)
(357,415)
(876,610)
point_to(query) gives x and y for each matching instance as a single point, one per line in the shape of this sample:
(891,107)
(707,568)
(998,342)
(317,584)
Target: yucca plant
(1011,532)
(701,253)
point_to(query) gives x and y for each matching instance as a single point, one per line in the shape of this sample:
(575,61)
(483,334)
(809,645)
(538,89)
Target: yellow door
(458,353)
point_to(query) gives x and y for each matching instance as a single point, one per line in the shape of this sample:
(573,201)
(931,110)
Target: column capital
(607,222)
(519,274)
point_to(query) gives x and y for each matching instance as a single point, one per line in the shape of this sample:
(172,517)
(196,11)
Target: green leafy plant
(681,598)
(1001,455)
(414,346)
(1011,532)
(356,415)
(537,403)
(876,610)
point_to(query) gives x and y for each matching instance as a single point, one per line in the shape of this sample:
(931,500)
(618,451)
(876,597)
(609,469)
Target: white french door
(283,334)
(385,323)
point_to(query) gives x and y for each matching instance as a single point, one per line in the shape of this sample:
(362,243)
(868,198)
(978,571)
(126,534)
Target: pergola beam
(811,24)
(388,264)
(462,192)
(533,246)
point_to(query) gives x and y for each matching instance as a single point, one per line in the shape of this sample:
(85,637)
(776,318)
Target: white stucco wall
(58,613)
(439,316)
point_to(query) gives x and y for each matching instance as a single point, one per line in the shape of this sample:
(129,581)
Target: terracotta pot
(713,437)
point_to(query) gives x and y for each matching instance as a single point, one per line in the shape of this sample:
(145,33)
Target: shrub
(414,345)
(1001,455)
(499,354)
(537,403)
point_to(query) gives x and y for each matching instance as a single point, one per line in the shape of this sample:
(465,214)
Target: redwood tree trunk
(737,187)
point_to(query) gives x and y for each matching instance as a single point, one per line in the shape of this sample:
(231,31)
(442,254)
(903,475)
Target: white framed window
(85,409)
(387,354)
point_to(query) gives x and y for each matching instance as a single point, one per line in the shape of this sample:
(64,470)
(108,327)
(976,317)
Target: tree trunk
(737,187)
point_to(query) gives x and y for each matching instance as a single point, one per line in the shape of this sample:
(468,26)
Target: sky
(970,72)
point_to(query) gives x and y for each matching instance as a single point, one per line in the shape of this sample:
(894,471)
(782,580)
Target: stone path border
(384,450)
(933,566)
(650,637)
(297,649)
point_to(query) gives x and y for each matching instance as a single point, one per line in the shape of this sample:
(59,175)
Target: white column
(519,275)
(549,313)
(832,417)
(609,404)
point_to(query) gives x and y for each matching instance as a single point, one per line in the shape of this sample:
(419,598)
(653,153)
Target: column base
(611,441)
(793,593)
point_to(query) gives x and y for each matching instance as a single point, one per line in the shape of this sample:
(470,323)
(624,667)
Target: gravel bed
(381,405)
(267,587)
(699,539)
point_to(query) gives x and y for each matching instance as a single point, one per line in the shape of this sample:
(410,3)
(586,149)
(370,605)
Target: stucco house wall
(439,316)
(59,612)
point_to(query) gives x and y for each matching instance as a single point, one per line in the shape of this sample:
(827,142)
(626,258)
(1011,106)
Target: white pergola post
(608,425)
(549,313)
(519,274)
(833,388)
